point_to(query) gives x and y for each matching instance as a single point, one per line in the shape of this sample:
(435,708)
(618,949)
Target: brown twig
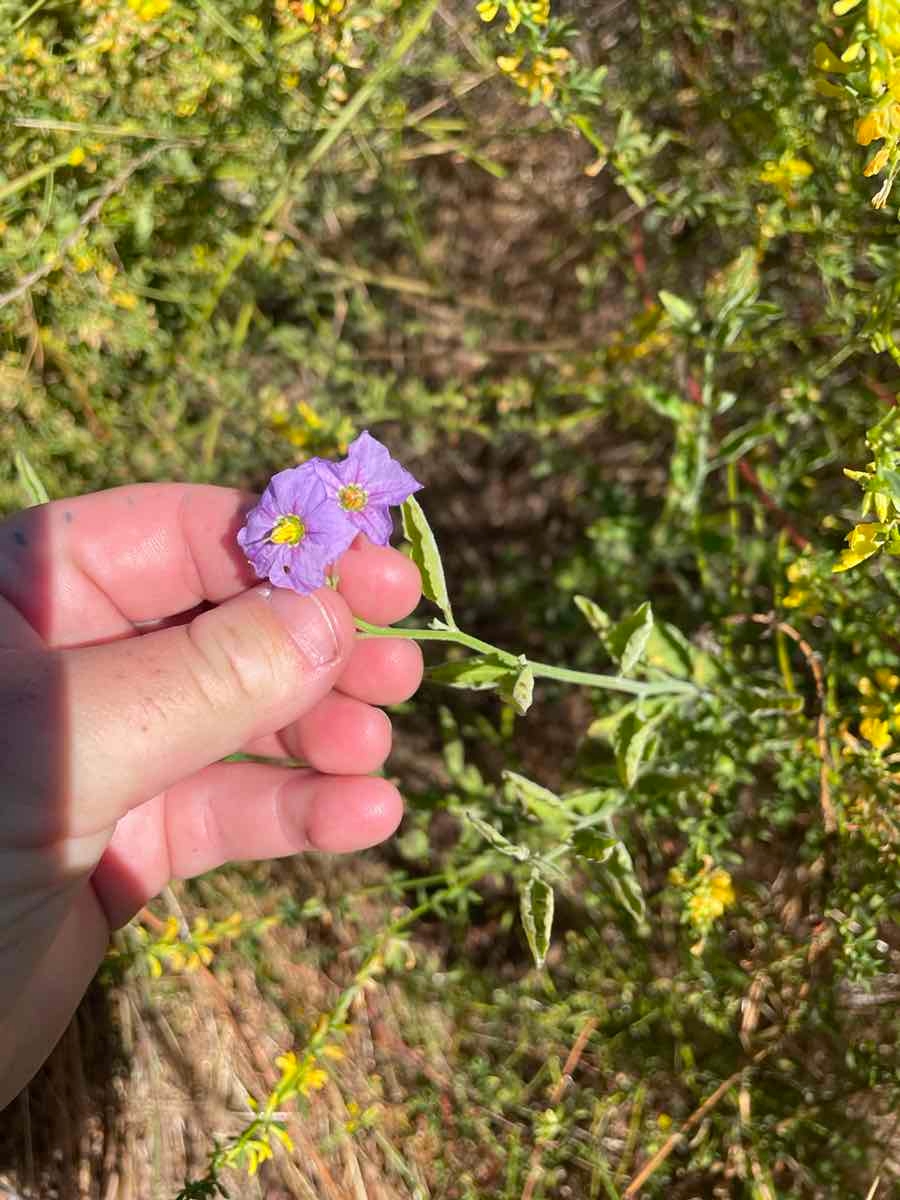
(691,1123)
(572,1061)
(829,815)
(771,506)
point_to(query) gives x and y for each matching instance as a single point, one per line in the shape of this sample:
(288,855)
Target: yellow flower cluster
(299,1077)
(713,895)
(881,711)
(149,10)
(799,574)
(170,949)
(305,429)
(863,541)
(710,892)
(785,173)
(516,10)
(870,63)
(541,73)
(317,11)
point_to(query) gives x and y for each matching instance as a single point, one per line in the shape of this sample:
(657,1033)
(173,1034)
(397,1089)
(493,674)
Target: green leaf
(454,751)
(683,313)
(518,690)
(477,673)
(606,727)
(29,480)
(633,739)
(594,845)
(619,872)
(498,840)
(598,620)
(536,907)
(538,800)
(594,802)
(628,640)
(427,557)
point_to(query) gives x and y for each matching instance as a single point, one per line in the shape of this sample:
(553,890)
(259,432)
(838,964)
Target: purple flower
(365,485)
(295,531)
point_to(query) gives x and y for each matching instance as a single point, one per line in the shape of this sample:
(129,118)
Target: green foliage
(612,279)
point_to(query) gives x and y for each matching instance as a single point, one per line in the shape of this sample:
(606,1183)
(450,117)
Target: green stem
(610,683)
(437,635)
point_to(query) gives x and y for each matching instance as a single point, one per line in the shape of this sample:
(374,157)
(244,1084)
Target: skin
(137,649)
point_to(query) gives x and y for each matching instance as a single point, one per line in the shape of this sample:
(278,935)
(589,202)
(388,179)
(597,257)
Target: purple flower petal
(322,529)
(376,523)
(370,479)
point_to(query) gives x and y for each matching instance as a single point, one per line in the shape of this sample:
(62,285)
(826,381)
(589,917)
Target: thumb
(146,712)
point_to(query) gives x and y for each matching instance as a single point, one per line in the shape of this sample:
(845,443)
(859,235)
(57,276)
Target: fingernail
(309,623)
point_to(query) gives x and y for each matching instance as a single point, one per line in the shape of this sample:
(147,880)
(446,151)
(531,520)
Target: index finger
(89,568)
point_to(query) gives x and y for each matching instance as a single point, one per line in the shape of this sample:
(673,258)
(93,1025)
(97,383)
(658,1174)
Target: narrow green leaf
(619,871)
(594,845)
(682,313)
(454,751)
(605,728)
(632,741)
(29,480)
(539,801)
(598,620)
(536,907)
(498,840)
(518,690)
(427,557)
(628,640)
(477,673)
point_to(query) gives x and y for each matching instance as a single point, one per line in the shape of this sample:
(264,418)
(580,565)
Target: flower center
(288,530)
(353,498)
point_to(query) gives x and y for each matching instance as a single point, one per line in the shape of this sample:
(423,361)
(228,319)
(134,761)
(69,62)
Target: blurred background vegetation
(609,276)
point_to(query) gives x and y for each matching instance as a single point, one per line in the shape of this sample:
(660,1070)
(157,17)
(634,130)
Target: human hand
(136,651)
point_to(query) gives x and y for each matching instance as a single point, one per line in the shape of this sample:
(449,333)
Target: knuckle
(238,661)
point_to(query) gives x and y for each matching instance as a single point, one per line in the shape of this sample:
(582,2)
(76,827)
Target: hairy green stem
(610,683)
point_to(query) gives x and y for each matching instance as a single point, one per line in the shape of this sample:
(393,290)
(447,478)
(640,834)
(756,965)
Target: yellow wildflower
(314,1079)
(149,10)
(514,13)
(871,127)
(785,173)
(876,732)
(123,299)
(862,545)
(877,162)
(488,9)
(76,156)
(721,889)
(508,63)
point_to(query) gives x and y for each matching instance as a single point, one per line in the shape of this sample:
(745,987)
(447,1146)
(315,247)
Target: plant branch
(610,683)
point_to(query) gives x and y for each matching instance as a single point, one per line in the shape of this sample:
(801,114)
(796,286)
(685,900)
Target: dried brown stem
(572,1061)
(691,1123)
